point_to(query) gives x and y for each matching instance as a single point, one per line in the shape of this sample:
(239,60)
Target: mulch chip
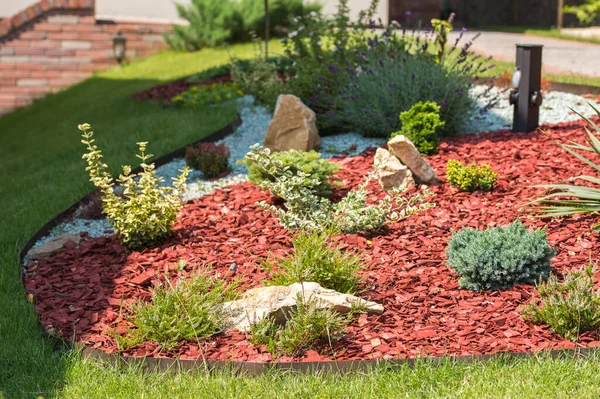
(84,292)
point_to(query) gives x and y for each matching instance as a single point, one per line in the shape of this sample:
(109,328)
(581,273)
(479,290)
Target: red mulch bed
(164,93)
(79,291)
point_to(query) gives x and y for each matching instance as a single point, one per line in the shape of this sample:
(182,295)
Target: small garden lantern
(526,97)
(119,46)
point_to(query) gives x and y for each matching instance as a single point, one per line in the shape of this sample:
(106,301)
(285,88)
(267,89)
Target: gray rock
(279,301)
(53,246)
(401,147)
(390,171)
(294,126)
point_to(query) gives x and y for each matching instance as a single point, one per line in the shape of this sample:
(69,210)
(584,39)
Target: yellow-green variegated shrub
(146,212)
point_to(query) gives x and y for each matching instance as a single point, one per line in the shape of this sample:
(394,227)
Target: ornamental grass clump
(307,327)
(571,199)
(305,210)
(499,258)
(472,177)
(422,124)
(146,212)
(308,162)
(185,311)
(211,159)
(316,260)
(569,308)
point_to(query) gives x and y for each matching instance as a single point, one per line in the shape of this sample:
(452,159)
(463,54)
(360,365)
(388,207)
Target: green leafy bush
(570,307)
(211,159)
(215,22)
(472,177)
(309,163)
(499,258)
(146,212)
(570,199)
(211,23)
(215,93)
(421,124)
(307,326)
(258,78)
(308,211)
(315,260)
(587,13)
(184,311)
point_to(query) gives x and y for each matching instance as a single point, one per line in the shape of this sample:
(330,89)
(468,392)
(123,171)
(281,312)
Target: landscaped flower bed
(84,293)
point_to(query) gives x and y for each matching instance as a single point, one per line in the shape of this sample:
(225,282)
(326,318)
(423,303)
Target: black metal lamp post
(119,47)
(526,97)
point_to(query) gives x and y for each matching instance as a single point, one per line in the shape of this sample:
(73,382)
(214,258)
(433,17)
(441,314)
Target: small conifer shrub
(499,258)
(421,124)
(211,159)
(569,308)
(471,177)
(146,212)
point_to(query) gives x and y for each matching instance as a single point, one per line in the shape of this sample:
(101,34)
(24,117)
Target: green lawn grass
(42,173)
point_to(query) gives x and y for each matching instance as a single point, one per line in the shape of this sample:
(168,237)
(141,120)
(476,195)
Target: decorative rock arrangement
(278,301)
(407,153)
(294,126)
(390,171)
(54,246)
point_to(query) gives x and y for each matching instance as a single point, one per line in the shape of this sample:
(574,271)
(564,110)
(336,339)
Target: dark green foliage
(296,161)
(185,311)
(499,258)
(421,124)
(307,327)
(316,260)
(569,308)
(211,23)
(472,177)
(215,22)
(211,159)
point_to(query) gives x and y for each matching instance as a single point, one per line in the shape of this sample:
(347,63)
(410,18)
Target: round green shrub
(499,258)
(421,124)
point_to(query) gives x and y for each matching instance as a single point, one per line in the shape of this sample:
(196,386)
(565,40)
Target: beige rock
(390,171)
(407,153)
(278,301)
(52,247)
(294,126)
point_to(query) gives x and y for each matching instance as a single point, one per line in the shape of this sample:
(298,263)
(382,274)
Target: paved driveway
(558,56)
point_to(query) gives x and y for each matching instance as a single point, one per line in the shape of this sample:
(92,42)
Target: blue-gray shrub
(499,258)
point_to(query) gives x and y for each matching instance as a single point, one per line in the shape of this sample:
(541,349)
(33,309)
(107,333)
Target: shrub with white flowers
(305,210)
(146,211)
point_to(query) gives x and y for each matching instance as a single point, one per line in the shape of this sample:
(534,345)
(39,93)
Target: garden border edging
(162,160)
(155,365)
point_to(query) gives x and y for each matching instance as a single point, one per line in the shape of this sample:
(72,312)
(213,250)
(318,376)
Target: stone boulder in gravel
(278,301)
(390,171)
(53,246)
(401,147)
(293,127)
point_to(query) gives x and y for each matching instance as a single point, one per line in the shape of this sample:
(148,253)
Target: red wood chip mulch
(165,92)
(80,291)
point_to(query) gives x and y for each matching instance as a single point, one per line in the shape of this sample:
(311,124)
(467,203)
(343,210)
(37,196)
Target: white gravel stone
(555,108)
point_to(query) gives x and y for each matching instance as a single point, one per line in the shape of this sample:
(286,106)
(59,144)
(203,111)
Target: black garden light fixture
(119,47)
(526,97)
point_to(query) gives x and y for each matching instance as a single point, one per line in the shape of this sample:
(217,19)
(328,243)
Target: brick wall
(56,43)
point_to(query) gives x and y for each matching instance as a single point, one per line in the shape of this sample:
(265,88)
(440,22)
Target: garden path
(558,56)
